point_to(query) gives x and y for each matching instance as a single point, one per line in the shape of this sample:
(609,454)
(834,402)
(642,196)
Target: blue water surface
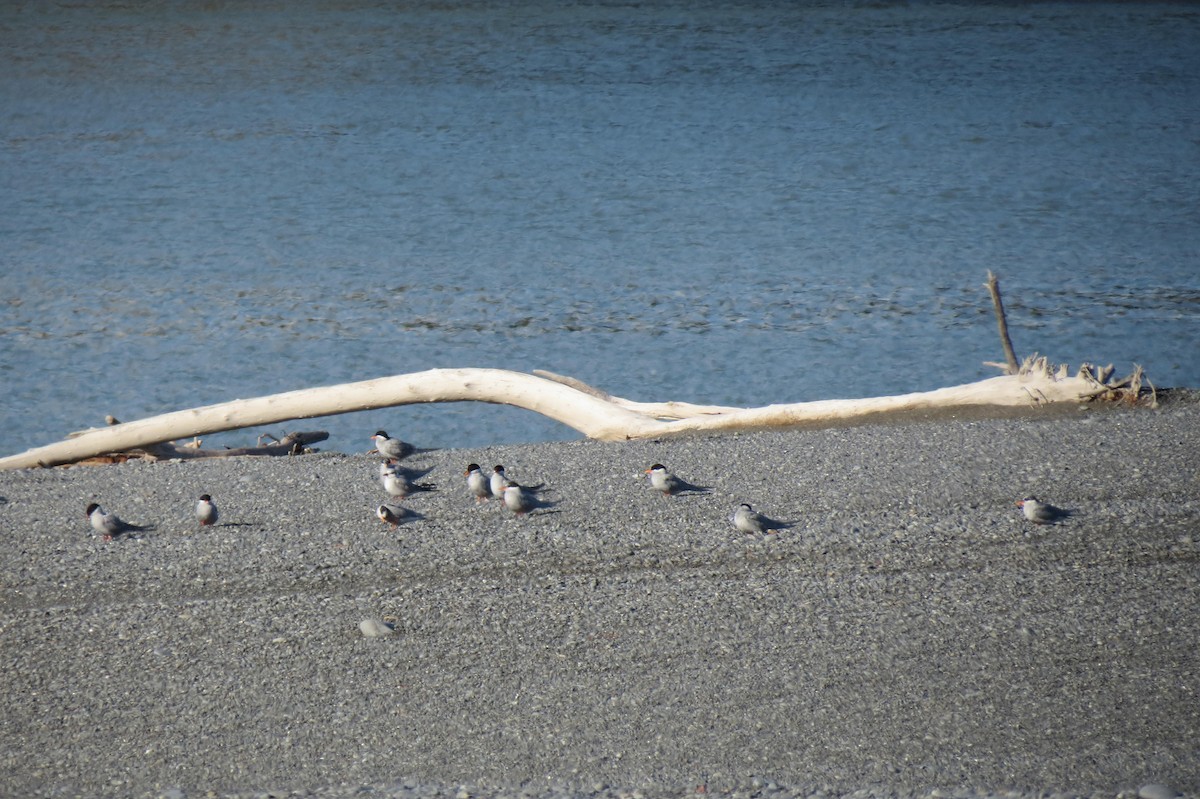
(727,203)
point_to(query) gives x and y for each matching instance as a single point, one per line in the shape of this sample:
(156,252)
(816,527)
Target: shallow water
(731,204)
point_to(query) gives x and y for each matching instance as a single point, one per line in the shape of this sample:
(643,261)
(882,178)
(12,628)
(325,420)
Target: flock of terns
(400,482)
(520,499)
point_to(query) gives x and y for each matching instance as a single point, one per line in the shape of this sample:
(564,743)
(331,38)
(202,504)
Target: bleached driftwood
(1010,365)
(592,412)
(290,444)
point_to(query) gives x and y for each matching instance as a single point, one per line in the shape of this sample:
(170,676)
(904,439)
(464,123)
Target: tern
(1040,512)
(390,447)
(522,499)
(109,525)
(399,483)
(497,481)
(206,511)
(670,484)
(751,522)
(396,515)
(477,484)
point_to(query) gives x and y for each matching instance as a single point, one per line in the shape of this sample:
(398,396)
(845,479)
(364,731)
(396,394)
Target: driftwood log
(589,410)
(592,412)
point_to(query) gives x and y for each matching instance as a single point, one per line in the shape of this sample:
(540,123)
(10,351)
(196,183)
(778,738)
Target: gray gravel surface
(910,635)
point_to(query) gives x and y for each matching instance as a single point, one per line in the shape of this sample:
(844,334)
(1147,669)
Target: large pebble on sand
(376,628)
(1157,790)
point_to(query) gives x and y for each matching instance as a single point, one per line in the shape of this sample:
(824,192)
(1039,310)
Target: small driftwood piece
(290,444)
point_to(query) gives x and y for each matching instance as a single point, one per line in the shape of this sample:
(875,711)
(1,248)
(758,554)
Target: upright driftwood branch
(591,412)
(1010,357)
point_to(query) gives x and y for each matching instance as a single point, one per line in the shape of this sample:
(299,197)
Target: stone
(375,628)
(1156,790)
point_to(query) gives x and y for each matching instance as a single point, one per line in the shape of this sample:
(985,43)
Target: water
(722,203)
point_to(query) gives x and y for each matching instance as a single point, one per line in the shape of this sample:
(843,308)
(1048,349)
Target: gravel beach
(909,634)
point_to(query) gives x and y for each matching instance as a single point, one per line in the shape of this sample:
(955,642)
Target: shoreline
(910,632)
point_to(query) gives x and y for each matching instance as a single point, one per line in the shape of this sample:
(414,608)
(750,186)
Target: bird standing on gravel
(497,481)
(390,447)
(670,484)
(206,511)
(1040,512)
(109,525)
(751,522)
(477,484)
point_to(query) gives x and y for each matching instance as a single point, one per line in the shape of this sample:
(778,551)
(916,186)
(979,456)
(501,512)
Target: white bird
(206,511)
(751,522)
(1040,512)
(386,465)
(396,515)
(395,485)
(109,525)
(399,483)
(522,499)
(392,465)
(390,447)
(669,484)
(497,481)
(477,484)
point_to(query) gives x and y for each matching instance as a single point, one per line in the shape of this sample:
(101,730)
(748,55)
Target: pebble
(1156,790)
(375,628)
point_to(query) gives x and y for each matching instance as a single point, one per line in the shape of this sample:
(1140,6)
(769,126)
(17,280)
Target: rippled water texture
(723,203)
